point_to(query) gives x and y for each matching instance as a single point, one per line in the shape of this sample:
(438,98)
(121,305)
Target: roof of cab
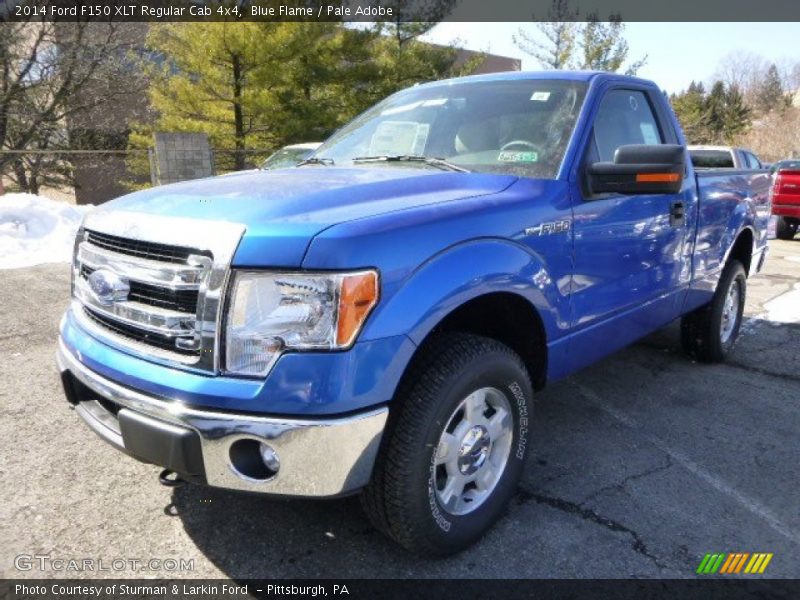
(562,75)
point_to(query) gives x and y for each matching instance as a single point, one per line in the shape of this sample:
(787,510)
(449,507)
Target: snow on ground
(784,308)
(36,230)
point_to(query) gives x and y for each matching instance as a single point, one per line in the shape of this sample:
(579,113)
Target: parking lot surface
(640,465)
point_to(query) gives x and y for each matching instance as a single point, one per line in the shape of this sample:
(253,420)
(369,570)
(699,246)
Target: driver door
(631,254)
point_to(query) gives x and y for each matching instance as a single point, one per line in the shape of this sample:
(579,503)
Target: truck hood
(283,210)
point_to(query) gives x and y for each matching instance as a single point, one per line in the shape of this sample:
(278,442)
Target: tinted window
(624,117)
(520,127)
(712,159)
(752,161)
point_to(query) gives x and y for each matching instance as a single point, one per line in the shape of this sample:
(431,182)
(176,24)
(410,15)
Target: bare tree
(742,69)
(52,74)
(789,71)
(759,79)
(776,136)
(560,34)
(556,44)
(604,46)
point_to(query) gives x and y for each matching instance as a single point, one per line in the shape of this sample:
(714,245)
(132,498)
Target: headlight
(271,312)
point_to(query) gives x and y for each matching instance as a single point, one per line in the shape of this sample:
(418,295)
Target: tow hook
(166,478)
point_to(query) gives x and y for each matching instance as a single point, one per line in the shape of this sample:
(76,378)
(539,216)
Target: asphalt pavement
(640,465)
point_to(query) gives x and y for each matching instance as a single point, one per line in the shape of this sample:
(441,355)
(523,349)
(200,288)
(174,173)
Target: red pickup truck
(786,198)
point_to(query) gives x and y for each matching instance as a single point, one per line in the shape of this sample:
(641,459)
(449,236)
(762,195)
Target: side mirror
(640,169)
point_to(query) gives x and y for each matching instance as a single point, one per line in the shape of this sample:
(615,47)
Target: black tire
(785,230)
(702,330)
(401,499)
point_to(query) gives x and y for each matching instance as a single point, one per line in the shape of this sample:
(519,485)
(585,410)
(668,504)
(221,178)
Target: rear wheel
(453,453)
(710,332)
(785,230)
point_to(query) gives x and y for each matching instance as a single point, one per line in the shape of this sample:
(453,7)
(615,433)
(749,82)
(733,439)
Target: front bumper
(318,457)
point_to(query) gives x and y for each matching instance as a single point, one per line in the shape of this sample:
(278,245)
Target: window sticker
(399,137)
(421,139)
(518,156)
(540,96)
(649,133)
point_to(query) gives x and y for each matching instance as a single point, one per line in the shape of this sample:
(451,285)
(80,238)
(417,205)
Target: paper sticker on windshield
(540,96)
(519,156)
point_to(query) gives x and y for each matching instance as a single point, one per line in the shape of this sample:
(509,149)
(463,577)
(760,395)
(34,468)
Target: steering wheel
(524,143)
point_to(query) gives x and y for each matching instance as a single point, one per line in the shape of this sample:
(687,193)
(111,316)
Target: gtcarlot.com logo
(734,563)
(45,562)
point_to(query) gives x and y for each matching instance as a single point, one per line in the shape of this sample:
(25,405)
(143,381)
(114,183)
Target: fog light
(254,460)
(269,456)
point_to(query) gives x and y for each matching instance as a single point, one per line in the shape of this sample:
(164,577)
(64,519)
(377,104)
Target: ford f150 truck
(378,318)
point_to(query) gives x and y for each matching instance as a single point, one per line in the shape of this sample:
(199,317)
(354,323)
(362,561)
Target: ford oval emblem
(108,287)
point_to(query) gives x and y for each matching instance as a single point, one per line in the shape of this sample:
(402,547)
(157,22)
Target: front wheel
(710,332)
(454,451)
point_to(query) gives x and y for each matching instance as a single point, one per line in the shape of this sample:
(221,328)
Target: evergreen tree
(770,94)
(222,79)
(728,115)
(736,115)
(715,107)
(256,86)
(692,112)
(403,60)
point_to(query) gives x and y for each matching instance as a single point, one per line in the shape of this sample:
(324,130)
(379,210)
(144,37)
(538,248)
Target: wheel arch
(506,317)
(742,249)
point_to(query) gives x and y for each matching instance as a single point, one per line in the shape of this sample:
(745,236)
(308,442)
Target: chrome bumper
(319,458)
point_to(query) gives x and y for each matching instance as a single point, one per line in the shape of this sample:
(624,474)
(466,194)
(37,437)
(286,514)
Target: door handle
(677,213)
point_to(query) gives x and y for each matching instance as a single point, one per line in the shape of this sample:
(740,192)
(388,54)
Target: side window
(752,161)
(742,159)
(624,117)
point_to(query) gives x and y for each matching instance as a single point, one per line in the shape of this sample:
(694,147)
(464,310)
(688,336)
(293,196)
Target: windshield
(516,127)
(711,159)
(286,157)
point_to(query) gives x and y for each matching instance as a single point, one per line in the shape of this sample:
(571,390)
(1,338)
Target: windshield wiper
(314,160)
(428,160)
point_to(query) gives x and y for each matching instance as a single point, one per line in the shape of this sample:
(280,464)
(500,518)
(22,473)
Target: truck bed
(727,200)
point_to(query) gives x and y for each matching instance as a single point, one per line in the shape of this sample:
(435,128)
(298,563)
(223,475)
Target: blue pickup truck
(377,319)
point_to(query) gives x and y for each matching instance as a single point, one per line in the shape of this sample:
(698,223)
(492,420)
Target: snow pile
(784,308)
(36,230)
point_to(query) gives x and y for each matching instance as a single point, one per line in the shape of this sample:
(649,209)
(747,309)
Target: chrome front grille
(146,250)
(155,299)
(136,334)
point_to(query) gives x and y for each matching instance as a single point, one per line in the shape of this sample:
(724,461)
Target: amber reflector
(657,177)
(358,296)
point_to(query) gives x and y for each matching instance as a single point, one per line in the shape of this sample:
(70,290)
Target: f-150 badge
(549,228)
